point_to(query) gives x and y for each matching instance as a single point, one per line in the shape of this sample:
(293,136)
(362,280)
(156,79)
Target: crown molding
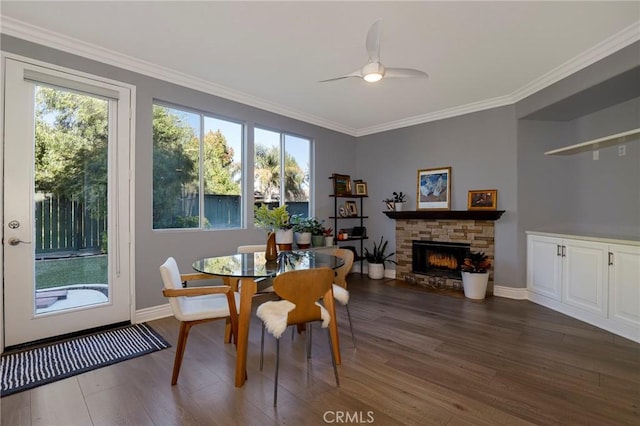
(74,46)
(437,115)
(618,41)
(32,33)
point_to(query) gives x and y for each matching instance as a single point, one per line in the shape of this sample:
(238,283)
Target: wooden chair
(196,305)
(340,292)
(300,292)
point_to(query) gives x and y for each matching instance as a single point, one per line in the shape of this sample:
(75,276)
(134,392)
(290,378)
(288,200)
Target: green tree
(175,174)
(218,165)
(267,173)
(71,147)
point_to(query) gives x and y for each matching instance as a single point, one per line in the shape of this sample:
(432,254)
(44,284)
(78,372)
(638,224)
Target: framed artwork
(434,189)
(361,188)
(351,208)
(341,184)
(482,199)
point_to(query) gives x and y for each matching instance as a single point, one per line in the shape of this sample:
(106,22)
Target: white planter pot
(284,239)
(475,285)
(399,206)
(303,239)
(376,271)
(328,241)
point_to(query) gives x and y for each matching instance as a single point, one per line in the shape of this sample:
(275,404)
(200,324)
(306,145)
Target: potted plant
(475,275)
(302,227)
(399,200)
(377,258)
(396,202)
(328,237)
(317,232)
(276,220)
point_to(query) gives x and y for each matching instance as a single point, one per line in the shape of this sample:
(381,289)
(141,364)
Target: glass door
(66,251)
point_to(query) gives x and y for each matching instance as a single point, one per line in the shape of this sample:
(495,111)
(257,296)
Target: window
(197,170)
(282,170)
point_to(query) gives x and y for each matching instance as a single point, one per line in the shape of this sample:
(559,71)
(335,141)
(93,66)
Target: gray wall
(481,149)
(334,152)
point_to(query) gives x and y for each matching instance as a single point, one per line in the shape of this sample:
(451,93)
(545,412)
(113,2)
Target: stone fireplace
(456,231)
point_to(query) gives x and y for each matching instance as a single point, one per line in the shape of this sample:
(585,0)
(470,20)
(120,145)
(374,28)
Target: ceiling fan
(374,70)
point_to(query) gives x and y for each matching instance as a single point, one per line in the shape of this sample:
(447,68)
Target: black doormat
(30,368)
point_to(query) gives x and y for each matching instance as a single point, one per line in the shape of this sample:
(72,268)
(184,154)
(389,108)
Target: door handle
(13,241)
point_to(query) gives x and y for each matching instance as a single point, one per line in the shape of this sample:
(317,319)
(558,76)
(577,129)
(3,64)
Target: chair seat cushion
(202,307)
(340,294)
(274,316)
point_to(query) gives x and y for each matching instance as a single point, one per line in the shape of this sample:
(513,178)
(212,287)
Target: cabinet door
(544,267)
(624,284)
(585,276)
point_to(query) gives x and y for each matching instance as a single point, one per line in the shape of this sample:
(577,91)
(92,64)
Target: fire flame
(441,260)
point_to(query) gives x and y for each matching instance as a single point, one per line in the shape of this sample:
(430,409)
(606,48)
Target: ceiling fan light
(372,77)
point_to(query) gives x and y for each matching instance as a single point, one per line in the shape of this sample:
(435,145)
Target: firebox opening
(437,258)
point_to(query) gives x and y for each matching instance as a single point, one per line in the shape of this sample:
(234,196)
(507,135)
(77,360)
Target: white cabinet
(584,275)
(624,284)
(544,265)
(592,279)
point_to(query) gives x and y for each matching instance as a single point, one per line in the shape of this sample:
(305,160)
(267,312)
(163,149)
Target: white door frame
(131,184)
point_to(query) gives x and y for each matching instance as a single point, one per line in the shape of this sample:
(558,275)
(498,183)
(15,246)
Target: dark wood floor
(422,359)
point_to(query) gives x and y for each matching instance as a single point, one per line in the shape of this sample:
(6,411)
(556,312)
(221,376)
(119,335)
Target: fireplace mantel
(446,214)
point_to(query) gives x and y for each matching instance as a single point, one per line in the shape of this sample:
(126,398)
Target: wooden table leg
(333,325)
(249,288)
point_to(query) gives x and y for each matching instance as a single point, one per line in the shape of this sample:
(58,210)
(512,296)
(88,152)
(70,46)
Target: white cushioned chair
(196,305)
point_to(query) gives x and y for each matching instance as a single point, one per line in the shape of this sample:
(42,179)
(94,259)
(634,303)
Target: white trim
(510,292)
(152,313)
(28,32)
(624,330)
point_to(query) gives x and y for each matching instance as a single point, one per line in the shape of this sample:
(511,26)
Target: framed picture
(341,184)
(351,208)
(361,188)
(434,189)
(482,199)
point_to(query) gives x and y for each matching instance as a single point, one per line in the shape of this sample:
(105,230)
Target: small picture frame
(361,188)
(351,207)
(434,189)
(482,199)
(341,184)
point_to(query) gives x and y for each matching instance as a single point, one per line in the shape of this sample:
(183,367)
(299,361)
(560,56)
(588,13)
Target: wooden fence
(64,225)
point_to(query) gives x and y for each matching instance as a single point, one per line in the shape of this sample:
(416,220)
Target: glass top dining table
(254,265)
(252,268)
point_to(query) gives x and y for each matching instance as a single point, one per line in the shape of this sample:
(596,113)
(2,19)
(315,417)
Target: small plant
(476,263)
(399,197)
(378,254)
(273,219)
(328,232)
(302,223)
(316,226)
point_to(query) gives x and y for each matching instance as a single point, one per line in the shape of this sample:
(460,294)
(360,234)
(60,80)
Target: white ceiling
(272,54)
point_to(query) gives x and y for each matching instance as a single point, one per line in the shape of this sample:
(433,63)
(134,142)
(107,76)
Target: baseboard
(510,292)
(153,313)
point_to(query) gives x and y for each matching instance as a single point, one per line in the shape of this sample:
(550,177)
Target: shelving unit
(600,143)
(351,222)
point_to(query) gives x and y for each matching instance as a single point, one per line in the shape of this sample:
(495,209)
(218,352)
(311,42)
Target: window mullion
(201,184)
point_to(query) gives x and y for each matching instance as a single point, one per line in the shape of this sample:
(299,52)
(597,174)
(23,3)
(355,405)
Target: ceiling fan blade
(373,41)
(404,73)
(356,73)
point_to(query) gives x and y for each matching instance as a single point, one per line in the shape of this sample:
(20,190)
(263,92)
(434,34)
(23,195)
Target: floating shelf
(600,143)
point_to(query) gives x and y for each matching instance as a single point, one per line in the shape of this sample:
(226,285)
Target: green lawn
(74,270)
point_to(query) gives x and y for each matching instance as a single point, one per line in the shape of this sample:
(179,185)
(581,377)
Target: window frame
(243,166)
